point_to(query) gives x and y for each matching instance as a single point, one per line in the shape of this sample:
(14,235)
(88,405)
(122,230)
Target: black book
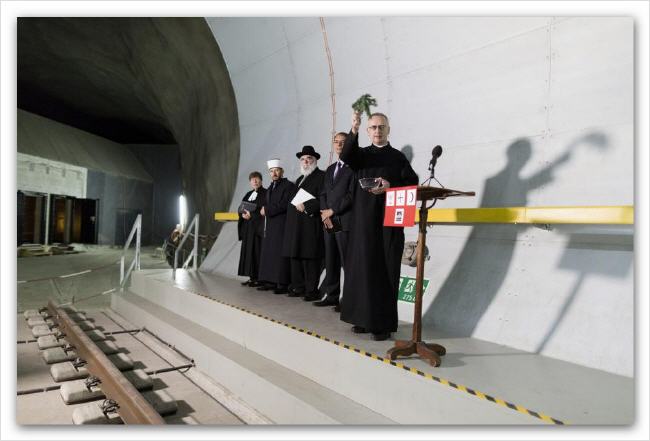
(248,206)
(336,225)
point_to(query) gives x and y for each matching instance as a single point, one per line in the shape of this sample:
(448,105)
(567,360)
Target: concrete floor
(561,389)
(567,391)
(32,371)
(43,276)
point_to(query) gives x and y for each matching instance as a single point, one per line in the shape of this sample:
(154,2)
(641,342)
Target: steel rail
(133,408)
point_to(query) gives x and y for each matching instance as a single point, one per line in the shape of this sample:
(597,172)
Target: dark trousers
(283,268)
(336,245)
(305,274)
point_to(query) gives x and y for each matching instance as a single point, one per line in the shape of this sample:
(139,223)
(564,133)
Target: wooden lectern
(428,351)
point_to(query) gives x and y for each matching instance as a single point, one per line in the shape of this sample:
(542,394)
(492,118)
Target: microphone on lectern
(435,154)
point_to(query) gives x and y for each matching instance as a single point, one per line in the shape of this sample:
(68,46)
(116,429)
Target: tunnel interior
(156,88)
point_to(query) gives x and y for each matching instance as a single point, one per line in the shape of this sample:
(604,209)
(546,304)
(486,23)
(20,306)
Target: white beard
(306,170)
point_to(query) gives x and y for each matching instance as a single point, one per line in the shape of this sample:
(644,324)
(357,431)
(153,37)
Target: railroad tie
(69,370)
(50,341)
(79,391)
(100,412)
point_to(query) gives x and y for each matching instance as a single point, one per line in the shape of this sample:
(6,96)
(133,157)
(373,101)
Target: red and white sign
(400,206)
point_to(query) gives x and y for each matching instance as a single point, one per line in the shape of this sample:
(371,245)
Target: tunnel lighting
(182,211)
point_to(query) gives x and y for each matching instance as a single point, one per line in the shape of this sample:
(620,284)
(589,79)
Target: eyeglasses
(373,128)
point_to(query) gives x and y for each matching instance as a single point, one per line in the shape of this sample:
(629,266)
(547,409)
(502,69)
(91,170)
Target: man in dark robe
(336,207)
(274,268)
(250,229)
(303,242)
(372,265)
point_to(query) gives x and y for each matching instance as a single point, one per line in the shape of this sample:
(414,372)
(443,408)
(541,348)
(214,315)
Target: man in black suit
(303,237)
(335,205)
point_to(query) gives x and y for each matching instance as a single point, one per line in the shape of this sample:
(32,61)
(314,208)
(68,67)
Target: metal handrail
(195,250)
(135,264)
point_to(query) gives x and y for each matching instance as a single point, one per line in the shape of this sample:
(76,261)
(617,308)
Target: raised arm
(351,149)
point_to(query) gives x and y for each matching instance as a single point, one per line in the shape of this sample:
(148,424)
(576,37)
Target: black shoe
(337,308)
(359,330)
(246,283)
(380,336)
(265,288)
(293,293)
(254,283)
(311,297)
(280,291)
(327,302)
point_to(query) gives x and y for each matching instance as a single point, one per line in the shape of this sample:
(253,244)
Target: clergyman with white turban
(275,273)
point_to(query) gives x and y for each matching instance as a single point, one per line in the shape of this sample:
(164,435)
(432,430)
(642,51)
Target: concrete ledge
(279,393)
(377,386)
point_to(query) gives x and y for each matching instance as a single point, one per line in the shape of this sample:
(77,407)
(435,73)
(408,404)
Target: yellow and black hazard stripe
(460,387)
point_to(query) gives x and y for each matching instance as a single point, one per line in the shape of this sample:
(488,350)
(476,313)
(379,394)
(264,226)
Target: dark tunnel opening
(158,89)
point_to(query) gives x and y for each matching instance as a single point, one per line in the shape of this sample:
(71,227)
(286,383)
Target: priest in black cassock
(372,264)
(250,228)
(303,242)
(274,268)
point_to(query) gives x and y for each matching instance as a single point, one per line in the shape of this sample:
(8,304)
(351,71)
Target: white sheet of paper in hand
(301,197)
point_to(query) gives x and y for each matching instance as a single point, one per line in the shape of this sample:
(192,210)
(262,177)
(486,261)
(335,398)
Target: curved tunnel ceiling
(139,81)
(77,71)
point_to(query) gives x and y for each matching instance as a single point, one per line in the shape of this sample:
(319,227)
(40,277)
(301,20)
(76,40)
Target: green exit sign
(407,289)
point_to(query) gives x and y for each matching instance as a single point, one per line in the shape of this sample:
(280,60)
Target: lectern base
(428,351)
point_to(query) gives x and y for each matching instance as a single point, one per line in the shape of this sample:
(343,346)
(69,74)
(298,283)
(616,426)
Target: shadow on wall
(408,152)
(482,265)
(609,255)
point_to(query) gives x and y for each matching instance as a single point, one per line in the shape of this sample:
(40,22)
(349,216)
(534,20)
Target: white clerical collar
(380,146)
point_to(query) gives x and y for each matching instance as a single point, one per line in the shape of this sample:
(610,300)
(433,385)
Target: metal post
(196,243)
(194,254)
(135,264)
(122,272)
(137,242)
(47,220)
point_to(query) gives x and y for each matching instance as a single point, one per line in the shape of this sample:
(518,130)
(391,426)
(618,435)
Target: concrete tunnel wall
(140,81)
(109,172)
(530,111)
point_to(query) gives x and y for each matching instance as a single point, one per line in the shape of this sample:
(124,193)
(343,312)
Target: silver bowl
(369,183)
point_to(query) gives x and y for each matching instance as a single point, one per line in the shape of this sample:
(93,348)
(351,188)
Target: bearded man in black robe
(274,268)
(303,242)
(372,264)
(250,229)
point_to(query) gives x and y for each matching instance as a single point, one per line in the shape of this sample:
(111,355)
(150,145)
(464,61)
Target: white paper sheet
(301,197)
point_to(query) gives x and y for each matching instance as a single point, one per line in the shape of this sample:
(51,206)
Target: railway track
(98,380)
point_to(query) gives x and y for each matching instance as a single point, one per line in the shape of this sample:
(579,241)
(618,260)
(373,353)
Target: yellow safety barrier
(612,215)
(225,217)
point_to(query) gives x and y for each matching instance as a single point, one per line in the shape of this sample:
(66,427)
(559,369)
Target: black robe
(304,231)
(273,267)
(374,252)
(250,233)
